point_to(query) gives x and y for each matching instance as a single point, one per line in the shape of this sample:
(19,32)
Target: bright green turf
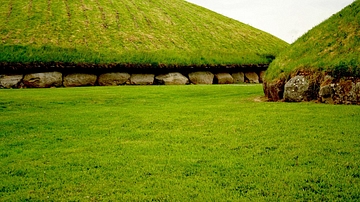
(332,46)
(175,143)
(128,31)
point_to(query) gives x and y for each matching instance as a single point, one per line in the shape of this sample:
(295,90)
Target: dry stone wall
(58,79)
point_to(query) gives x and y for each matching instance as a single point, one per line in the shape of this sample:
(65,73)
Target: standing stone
(252,77)
(10,81)
(238,77)
(43,80)
(77,79)
(113,79)
(296,89)
(224,78)
(172,79)
(201,77)
(142,79)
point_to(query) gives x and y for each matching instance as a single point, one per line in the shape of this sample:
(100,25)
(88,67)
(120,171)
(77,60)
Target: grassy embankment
(177,143)
(333,46)
(137,32)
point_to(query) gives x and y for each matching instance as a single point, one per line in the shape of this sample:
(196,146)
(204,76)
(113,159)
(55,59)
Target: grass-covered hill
(333,46)
(127,31)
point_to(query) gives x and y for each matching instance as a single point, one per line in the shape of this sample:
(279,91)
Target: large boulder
(79,79)
(172,79)
(252,77)
(326,91)
(224,78)
(43,80)
(113,79)
(345,92)
(296,89)
(201,77)
(239,77)
(142,79)
(10,81)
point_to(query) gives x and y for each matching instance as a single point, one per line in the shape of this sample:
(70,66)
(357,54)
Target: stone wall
(59,79)
(314,86)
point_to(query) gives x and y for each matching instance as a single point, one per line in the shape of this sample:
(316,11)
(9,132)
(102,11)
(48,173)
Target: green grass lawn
(175,143)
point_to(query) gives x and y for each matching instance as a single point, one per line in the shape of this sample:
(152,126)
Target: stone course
(314,87)
(58,79)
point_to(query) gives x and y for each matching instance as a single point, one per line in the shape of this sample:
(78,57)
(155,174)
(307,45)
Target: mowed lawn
(175,143)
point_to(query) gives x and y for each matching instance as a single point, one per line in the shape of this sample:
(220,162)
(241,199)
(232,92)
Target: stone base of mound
(66,79)
(318,87)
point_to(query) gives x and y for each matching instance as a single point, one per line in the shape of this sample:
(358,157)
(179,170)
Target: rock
(201,77)
(113,79)
(261,76)
(326,91)
(238,77)
(296,89)
(10,81)
(43,80)
(274,91)
(326,94)
(142,79)
(78,79)
(224,78)
(172,79)
(345,92)
(252,77)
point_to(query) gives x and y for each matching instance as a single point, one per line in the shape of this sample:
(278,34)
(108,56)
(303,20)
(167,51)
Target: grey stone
(201,77)
(296,89)
(113,79)
(238,77)
(224,78)
(326,91)
(142,79)
(345,92)
(43,80)
(10,81)
(78,79)
(252,77)
(174,78)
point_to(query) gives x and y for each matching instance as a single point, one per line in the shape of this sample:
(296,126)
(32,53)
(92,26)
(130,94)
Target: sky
(285,19)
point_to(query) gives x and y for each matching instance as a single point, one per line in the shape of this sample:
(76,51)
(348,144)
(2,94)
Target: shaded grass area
(201,143)
(332,46)
(138,32)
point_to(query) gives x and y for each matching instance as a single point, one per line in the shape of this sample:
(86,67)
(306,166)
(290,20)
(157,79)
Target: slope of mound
(333,47)
(128,31)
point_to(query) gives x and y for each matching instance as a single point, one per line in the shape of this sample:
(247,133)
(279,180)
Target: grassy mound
(141,32)
(333,46)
